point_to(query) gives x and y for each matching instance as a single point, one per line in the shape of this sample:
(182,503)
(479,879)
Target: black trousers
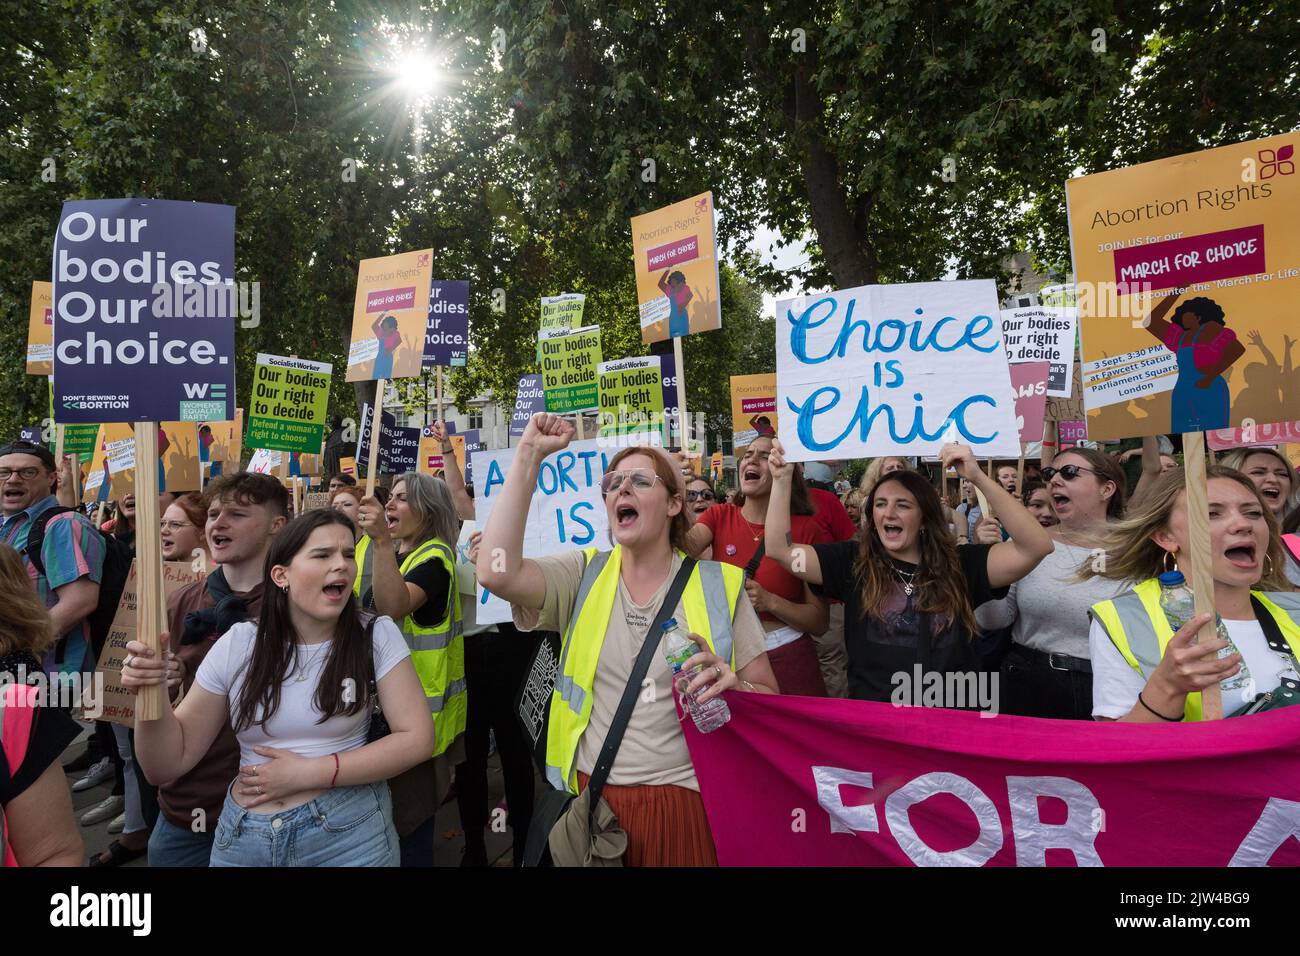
(496,664)
(1035,689)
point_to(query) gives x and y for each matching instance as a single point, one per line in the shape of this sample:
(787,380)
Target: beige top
(653,749)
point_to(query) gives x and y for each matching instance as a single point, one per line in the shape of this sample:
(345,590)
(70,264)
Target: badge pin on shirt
(730,549)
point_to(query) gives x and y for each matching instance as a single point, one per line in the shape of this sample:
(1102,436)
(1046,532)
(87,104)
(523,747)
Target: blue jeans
(350,826)
(171,845)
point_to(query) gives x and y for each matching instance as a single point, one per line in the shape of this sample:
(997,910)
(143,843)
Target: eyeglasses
(174,525)
(641,479)
(1068,472)
(699,496)
(26,474)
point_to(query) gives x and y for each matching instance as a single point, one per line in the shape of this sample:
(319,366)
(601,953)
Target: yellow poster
(178,450)
(1188,275)
(222,442)
(389,316)
(753,407)
(675,255)
(428,460)
(40,330)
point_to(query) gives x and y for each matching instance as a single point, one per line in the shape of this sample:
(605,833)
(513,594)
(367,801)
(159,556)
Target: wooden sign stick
(1202,575)
(1020,472)
(438,371)
(376,414)
(682,418)
(151,605)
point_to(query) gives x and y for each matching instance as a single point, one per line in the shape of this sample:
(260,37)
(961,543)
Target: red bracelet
(336,771)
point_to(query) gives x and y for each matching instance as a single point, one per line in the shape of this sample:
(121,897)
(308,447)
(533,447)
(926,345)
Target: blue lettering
(564,463)
(810,410)
(494,478)
(864,417)
(586,457)
(548,470)
(799,335)
(582,539)
(900,330)
(559,524)
(986,326)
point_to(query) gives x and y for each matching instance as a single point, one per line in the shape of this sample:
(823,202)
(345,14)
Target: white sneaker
(95,776)
(118,824)
(104,810)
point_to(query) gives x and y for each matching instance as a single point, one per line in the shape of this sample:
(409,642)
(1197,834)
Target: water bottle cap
(669,624)
(1171,579)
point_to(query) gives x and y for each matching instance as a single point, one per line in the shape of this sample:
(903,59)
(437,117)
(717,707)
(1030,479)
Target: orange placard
(389,316)
(676,260)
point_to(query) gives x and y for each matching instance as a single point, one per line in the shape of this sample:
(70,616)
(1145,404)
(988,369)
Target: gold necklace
(757,534)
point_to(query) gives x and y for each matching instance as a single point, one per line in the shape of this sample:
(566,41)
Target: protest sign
(529,400)
(632,401)
(560,312)
(348,466)
(569,363)
(566,510)
(30,433)
(144,311)
(676,261)
(668,381)
(753,407)
(265,461)
(1188,270)
(1030,381)
(118,702)
(112,465)
(399,448)
(469,443)
(79,440)
(287,409)
(1072,432)
(1277,433)
(880,785)
(429,458)
(446,336)
(315,500)
(178,454)
(1036,334)
(894,370)
(390,316)
(40,330)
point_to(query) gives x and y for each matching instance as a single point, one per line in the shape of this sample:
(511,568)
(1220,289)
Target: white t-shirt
(294,726)
(1116,685)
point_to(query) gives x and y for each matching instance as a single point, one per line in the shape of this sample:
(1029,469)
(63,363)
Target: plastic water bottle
(678,649)
(1179,605)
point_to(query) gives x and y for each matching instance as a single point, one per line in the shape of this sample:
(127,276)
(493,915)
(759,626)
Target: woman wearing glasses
(791,613)
(604,602)
(1048,672)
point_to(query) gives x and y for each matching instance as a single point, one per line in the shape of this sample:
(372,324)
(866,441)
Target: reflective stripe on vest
(709,603)
(364,558)
(1137,626)
(438,652)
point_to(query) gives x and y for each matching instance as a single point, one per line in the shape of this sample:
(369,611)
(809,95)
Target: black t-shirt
(432,578)
(888,641)
(52,731)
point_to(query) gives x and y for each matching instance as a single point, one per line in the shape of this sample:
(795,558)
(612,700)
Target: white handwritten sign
(894,370)
(567,510)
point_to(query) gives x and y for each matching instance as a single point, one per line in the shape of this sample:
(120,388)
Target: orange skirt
(665,825)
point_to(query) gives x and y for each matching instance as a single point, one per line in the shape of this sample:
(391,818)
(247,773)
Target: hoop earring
(1269,559)
(1168,560)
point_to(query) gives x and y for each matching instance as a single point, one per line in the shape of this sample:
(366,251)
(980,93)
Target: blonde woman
(1144,671)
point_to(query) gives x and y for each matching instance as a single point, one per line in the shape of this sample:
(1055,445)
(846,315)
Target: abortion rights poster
(40,330)
(676,259)
(144,311)
(1188,275)
(390,316)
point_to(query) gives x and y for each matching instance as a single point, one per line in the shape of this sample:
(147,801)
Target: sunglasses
(1068,472)
(699,496)
(641,479)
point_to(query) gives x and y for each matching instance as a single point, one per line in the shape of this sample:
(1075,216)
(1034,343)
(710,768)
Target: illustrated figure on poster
(763,425)
(163,444)
(102,498)
(386,331)
(1206,348)
(673,285)
(184,477)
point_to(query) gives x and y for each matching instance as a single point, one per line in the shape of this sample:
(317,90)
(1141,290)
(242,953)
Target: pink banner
(1072,431)
(1029,379)
(1204,258)
(674,253)
(1278,433)
(390,300)
(802,781)
(755,406)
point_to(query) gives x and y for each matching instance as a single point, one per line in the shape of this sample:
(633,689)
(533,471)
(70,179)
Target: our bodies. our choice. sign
(143,298)
(569,363)
(894,370)
(566,510)
(865,783)
(399,448)
(529,400)
(446,336)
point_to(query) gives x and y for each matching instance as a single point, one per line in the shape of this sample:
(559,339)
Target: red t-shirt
(734,543)
(831,516)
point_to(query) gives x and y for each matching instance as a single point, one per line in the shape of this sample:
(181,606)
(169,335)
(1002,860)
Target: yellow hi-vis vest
(1137,626)
(709,601)
(437,652)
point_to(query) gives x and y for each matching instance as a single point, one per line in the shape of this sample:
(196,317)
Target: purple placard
(1191,259)
(1029,380)
(129,275)
(446,334)
(472,444)
(399,448)
(528,401)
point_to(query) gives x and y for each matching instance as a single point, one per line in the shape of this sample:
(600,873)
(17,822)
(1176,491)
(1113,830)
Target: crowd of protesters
(326,687)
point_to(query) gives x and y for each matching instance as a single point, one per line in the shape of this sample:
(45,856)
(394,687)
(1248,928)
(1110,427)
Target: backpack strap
(36,536)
